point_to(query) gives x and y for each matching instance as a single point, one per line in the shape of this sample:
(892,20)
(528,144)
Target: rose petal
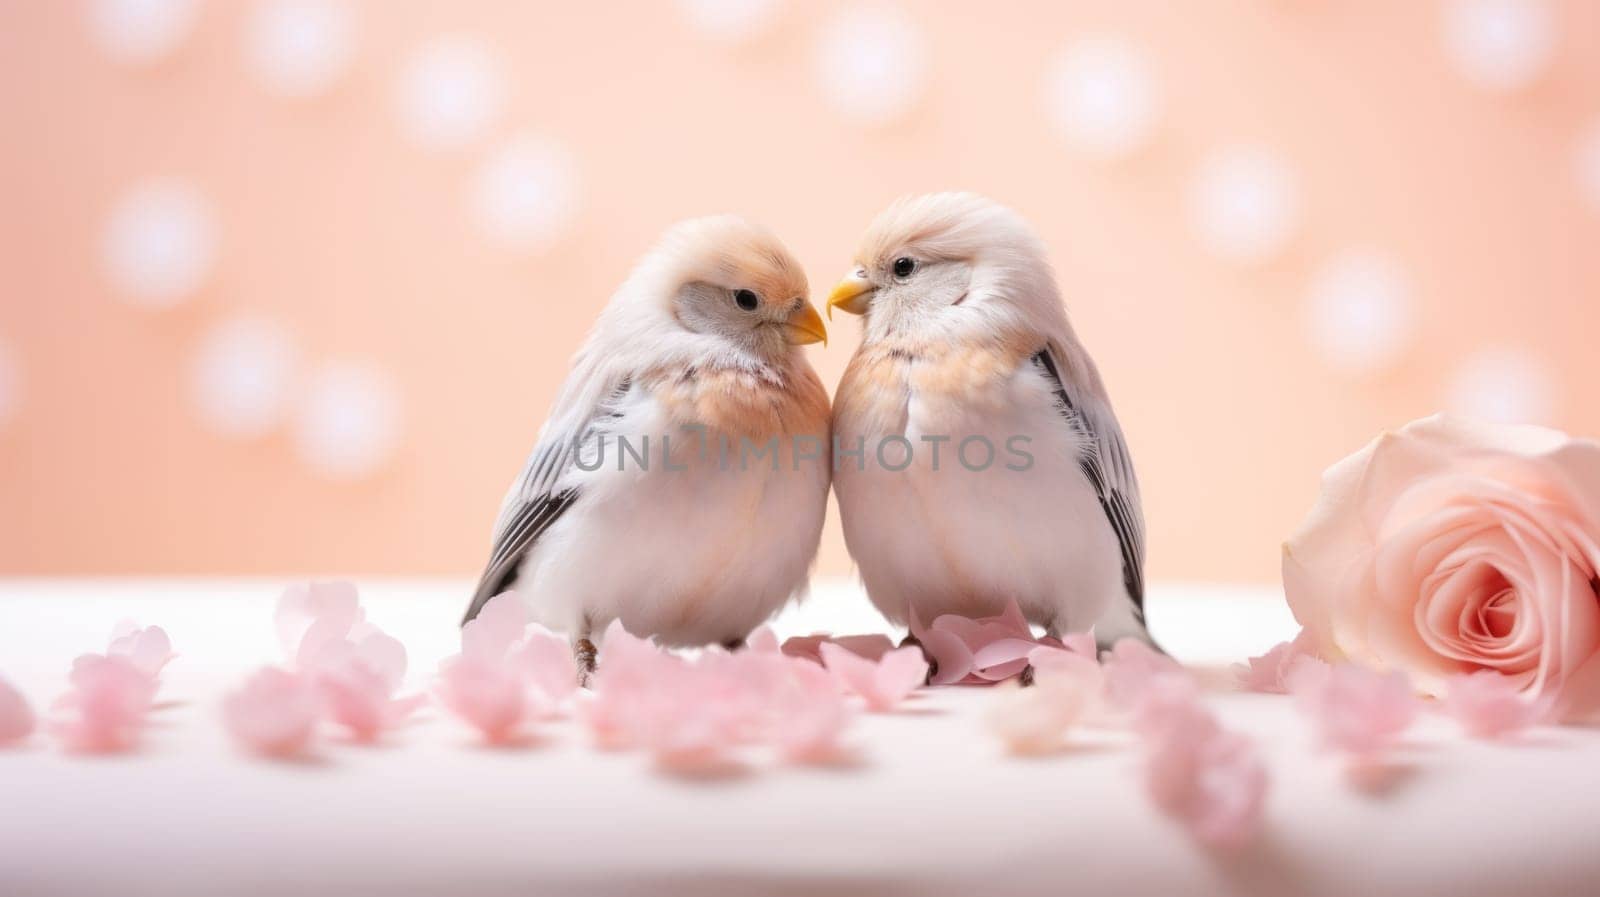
(882,684)
(486,695)
(17,719)
(273,713)
(498,626)
(1489,705)
(1355,709)
(148,649)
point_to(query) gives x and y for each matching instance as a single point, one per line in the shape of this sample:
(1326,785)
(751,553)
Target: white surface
(929,805)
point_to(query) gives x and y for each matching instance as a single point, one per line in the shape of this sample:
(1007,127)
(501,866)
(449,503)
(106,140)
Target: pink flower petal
(16,717)
(1081,643)
(1355,709)
(1066,691)
(1230,792)
(1004,653)
(763,640)
(333,608)
(1269,673)
(882,684)
(498,626)
(106,707)
(808,647)
(380,652)
(808,714)
(1210,779)
(548,668)
(952,658)
(273,713)
(1488,704)
(486,695)
(148,649)
(1132,666)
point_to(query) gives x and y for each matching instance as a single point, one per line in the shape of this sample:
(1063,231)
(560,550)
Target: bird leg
(585,655)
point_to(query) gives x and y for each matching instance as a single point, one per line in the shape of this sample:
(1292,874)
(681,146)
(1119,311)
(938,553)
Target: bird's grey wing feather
(538,498)
(1107,465)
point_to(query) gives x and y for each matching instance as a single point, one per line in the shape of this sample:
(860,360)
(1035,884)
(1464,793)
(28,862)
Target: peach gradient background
(329,220)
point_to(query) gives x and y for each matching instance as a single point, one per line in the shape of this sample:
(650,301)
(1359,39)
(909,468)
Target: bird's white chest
(992,506)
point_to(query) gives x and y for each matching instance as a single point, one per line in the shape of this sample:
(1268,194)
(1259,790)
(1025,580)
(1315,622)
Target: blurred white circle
(872,64)
(730,21)
(141,31)
(1101,94)
(450,92)
(1244,203)
(348,423)
(525,193)
(1504,385)
(10,384)
(1359,313)
(159,242)
(299,48)
(1589,166)
(1499,44)
(241,376)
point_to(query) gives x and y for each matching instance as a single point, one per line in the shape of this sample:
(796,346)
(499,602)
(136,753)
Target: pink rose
(1451,547)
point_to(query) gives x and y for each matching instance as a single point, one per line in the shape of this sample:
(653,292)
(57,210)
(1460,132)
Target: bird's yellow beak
(805,326)
(852,294)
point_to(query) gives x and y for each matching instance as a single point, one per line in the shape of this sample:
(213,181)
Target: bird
(977,458)
(680,482)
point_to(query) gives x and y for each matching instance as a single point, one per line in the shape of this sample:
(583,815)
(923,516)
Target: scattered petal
(1355,709)
(499,625)
(1132,667)
(549,669)
(763,641)
(1269,673)
(273,713)
(105,709)
(808,714)
(148,649)
(487,695)
(1488,704)
(882,684)
(17,720)
(331,609)
(809,647)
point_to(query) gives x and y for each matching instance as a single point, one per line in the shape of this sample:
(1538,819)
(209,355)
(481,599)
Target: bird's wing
(543,491)
(1106,462)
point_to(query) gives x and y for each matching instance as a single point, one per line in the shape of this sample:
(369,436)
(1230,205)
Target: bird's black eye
(746,299)
(903,266)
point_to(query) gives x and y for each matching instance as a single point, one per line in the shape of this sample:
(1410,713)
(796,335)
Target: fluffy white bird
(991,466)
(681,480)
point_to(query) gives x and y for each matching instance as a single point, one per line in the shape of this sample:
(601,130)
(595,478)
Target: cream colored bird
(991,466)
(680,482)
